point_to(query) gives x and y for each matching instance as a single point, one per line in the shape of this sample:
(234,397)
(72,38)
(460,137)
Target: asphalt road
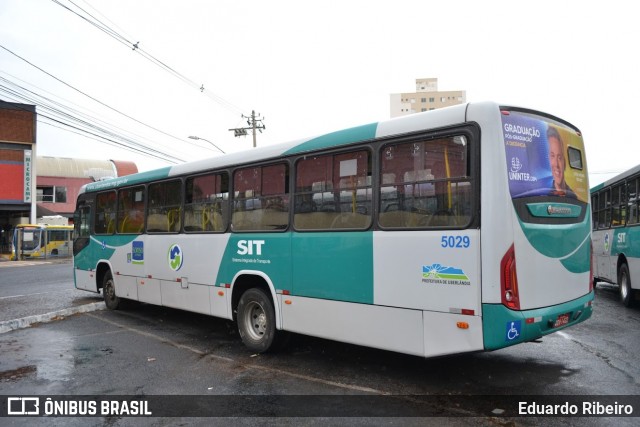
(37,288)
(147,350)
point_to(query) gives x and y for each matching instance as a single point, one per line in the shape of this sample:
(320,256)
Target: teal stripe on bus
(498,320)
(137,178)
(561,241)
(626,240)
(579,261)
(355,134)
(267,253)
(329,265)
(334,265)
(597,188)
(101,247)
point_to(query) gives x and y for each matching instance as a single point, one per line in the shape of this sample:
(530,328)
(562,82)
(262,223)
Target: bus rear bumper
(503,327)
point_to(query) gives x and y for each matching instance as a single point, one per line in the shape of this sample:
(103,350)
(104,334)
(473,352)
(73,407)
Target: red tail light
(509,280)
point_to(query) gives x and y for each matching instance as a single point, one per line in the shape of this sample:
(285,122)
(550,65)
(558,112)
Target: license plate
(562,319)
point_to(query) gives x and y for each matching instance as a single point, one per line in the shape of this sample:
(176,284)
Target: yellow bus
(41,241)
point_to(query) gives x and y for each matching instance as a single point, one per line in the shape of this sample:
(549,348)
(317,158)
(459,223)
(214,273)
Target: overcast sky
(314,67)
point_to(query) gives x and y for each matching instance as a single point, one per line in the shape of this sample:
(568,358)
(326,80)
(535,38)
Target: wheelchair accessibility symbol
(513,330)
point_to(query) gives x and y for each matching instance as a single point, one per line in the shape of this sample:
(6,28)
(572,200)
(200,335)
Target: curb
(25,322)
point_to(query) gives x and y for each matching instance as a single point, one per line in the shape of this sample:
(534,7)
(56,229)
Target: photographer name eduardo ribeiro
(567,408)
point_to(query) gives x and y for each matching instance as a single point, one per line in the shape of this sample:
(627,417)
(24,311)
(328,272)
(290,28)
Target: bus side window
(594,211)
(333,192)
(632,201)
(164,210)
(81,220)
(130,214)
(261,198)
(618,206)
(206,207)
(604,209)
(425,184)
(105,213)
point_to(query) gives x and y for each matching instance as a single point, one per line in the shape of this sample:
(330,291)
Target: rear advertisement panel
(544,158)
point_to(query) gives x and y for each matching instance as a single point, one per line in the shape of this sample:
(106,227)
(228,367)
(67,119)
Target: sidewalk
(23,311)
(31,261)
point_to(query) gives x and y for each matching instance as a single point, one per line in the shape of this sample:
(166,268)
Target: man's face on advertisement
(556,159)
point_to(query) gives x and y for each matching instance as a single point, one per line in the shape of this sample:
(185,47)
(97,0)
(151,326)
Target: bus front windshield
(30,238)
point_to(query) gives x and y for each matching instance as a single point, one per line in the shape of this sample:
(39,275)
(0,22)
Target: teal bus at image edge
(616,233)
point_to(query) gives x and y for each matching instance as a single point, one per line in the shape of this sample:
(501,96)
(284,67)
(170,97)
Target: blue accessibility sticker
(514,329)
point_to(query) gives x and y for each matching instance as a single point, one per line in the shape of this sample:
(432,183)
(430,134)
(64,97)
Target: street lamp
(197,138)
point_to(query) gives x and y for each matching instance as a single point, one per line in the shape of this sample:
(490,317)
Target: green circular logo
(175,257)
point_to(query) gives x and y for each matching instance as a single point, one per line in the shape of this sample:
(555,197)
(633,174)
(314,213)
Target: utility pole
(255,123)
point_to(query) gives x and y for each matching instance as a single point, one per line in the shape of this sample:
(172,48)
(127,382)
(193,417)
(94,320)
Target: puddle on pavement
(44,355)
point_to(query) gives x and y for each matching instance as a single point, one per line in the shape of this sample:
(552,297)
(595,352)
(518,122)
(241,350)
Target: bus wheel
(109,292)
(624,281)
(257,320)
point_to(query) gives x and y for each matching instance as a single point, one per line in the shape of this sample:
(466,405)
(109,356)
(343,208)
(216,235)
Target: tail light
(509,280)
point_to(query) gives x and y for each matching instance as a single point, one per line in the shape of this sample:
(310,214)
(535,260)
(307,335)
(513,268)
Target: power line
(55,111)
(105,28)
(69,119)
(92,130)
(73,111)
(101,138)
(96,23)
(89,96)
(605,172)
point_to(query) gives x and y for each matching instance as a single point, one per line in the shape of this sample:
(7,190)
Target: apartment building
(426,97)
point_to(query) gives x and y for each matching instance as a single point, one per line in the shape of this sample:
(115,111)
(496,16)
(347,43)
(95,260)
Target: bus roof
(433,119)
(634,170)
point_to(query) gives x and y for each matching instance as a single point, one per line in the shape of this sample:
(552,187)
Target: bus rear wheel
(257,322)
(624,281)
(109,292)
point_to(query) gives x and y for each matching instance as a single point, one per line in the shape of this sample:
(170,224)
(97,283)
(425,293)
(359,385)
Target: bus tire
(624,281)
(109,292)
(257,321)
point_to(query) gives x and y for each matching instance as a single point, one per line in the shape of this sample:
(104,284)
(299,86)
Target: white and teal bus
(431,234)
(616,233)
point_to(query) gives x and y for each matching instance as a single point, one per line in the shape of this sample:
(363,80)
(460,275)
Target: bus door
(602,236)
(83,248)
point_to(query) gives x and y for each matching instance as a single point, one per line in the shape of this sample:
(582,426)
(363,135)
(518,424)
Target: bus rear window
(538,151)
(575,158)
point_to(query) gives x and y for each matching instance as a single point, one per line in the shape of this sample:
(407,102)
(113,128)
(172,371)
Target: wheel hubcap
(256,320)
(110,291)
